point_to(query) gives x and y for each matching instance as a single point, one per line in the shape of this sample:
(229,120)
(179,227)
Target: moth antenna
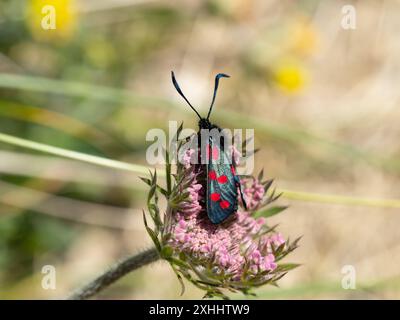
(176,85)
(217,77)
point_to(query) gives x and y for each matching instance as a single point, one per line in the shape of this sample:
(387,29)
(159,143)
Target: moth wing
(222,188)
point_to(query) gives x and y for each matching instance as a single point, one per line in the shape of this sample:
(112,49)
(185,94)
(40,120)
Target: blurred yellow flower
(290,77)
(51,20)
(303,38)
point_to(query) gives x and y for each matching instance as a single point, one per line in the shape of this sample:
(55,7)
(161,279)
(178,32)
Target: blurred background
(323,101)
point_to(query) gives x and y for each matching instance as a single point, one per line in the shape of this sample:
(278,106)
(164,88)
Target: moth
(222,183)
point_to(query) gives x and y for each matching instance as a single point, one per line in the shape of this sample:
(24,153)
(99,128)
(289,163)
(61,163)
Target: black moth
(222,182)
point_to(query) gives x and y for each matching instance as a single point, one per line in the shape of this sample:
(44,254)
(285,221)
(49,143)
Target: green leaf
(168,173)
(285,267)
(152,234)
(269,212)
(176,135)
(260,175)
(278,250)
(179,263)
(162,191)
(152,192)
(166,252)
(146,180)
(267,184)
(179,279)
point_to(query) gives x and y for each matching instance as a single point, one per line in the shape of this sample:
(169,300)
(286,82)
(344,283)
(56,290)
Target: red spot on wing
(215,153)
(222,179)
(233,170)
(208,148)
(215,196)
(212,175)
(224,204)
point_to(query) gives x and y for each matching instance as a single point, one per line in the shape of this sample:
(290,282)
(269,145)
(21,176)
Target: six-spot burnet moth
(222,182)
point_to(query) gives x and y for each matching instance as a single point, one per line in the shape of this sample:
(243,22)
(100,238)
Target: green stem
(337,199)
(28,144)
(289,194)
(104,93)
(116,272)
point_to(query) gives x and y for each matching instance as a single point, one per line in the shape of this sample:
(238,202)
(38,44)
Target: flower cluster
(239,254)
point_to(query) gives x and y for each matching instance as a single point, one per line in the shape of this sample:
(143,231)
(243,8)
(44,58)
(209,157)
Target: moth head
(204,124)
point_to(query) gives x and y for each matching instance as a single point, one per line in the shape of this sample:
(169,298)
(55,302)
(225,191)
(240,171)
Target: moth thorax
(204,124)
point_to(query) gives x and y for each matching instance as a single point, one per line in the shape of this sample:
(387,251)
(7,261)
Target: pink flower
(254,194)
(187,158)
(233,246)
(269,262)
(238,254)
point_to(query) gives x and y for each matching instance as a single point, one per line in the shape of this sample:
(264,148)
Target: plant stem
(101,161)
(116,272)
(337,199)
(289,194)
(104,93)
